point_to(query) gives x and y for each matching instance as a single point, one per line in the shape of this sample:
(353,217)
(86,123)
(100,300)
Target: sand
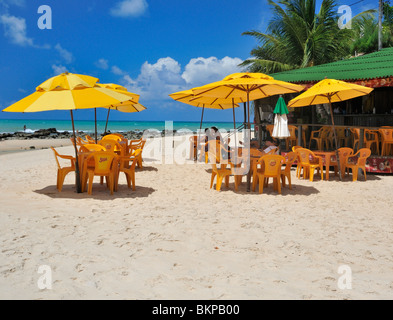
(174,238)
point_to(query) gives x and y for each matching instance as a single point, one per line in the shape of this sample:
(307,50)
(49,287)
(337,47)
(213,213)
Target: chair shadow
(100,192)
(146,168)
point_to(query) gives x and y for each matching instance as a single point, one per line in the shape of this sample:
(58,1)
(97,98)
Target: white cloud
(129,8)
(58,69)
(102,64)
(156,81)
(117,71)
(15,30)
(201,71)
(65,54)
(18,3)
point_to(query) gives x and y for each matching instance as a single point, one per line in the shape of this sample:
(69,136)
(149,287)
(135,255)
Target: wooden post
(299,135)
(77,173)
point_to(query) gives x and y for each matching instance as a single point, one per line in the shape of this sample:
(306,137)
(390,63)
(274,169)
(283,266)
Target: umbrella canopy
(66,99)
(280,129)
(247,86)
(120,89)
(69,92)
(329,91)
(67,81)
(187,96)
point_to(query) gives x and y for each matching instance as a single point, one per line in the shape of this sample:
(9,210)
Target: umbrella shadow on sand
(285,191)
(100,192)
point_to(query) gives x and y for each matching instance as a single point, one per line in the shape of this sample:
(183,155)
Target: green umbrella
(281,107)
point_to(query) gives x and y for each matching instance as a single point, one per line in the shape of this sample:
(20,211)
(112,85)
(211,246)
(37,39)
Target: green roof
(370,66)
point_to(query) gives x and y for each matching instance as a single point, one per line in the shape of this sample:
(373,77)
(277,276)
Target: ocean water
(17,125)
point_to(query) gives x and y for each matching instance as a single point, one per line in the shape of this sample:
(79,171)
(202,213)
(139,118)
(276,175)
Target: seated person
(270,145)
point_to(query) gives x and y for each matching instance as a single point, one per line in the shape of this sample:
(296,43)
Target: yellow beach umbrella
(67,81)
(64,92)
(120,89)
(130,106)
(188,97)
(246,86)
(329,91)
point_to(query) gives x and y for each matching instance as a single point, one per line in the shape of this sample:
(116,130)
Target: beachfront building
(373,70)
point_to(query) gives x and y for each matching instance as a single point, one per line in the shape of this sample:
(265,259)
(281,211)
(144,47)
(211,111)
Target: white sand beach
(174,238)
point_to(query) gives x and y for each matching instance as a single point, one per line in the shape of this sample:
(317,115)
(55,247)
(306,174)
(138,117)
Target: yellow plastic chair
(304,130)
(371,140)
(90,147)
(111,146)
(290,158)
(294,148)
(270,128)
(355,137)
(221,172)
(309,162)
(343,154)
(319,136)
(90,140)
(105,165)
(112,136)
(135,145)
(386,140)
(62,171)
(360,163)
(270,168)
(127,169)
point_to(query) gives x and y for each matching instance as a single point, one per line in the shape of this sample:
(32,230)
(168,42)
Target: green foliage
(298,37)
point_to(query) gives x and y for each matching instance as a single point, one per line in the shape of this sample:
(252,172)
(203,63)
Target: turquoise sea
(11,126)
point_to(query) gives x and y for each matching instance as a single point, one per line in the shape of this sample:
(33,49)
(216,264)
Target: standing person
(24,128)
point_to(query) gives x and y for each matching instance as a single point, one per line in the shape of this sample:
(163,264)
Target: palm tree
(365,30)
(298,37)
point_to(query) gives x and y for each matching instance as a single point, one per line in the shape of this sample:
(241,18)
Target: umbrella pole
(95,121)
(107,118)
(234,120)
(335,140)
(199,135)
(249,137)
(77,173)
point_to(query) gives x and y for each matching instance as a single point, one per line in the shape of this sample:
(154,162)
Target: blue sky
(153,47)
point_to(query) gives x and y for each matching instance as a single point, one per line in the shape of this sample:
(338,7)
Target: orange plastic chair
(62,171)
(309,162)
(270,168)
(362,156)
(216,148)
(193,147)
(292,139)
(105,165)
(386,141)
(290,158)
(127,169)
